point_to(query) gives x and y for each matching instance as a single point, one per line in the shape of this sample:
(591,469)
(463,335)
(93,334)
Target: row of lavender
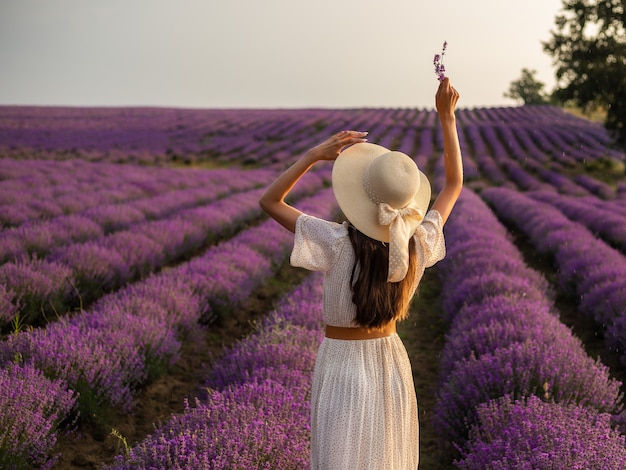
(517,389)
(104,200)
(99,357)
(39,237)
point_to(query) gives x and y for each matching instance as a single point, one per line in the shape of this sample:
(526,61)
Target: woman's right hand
(332,147)
(446,98)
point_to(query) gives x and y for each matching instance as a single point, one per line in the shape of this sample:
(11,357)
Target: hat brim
(349,190)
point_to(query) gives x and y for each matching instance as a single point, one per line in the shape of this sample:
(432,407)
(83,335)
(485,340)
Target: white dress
(363,403)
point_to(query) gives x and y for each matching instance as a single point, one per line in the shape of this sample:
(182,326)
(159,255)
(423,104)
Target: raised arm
(273,199)
(445,101)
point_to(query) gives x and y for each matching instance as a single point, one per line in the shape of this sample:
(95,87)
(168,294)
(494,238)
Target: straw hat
(384,195)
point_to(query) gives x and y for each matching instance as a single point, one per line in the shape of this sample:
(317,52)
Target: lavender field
(149,318)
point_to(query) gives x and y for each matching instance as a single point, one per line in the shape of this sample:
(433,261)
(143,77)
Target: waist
(359,333)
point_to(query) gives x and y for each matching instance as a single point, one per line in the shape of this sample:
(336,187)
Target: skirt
(363,406)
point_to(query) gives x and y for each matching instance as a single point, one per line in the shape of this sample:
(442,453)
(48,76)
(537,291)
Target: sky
(268,53)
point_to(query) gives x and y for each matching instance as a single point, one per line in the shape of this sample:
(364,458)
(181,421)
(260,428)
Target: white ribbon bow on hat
(402,225)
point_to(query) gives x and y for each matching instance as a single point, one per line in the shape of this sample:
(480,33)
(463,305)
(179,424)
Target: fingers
(446,87)
(351,134)
(447,92)
(345,138)
(332,147)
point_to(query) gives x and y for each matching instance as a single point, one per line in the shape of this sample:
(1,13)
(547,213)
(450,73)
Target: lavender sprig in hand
(440,69)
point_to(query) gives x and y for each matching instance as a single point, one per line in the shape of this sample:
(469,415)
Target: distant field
(137,273)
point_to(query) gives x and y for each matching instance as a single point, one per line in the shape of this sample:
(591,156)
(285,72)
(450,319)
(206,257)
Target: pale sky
(268,53)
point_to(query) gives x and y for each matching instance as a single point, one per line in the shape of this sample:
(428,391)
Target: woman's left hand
(332,147)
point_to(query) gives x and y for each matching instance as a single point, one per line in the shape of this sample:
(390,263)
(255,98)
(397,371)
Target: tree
(527,89)
(589,51)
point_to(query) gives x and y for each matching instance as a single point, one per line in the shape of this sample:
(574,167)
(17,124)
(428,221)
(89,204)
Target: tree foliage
(527,89)
(589,50)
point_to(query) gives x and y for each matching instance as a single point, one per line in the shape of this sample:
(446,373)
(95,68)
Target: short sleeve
(317,243)
(430,237)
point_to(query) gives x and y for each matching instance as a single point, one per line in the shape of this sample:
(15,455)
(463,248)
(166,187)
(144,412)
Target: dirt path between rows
(423,334)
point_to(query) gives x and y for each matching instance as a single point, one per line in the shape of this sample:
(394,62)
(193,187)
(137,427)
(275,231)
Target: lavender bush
(498,322)
(103,366)
(529,434)
(95,268)
(282,346)
(555,372)
(33,410)
(34,286)
(259,425)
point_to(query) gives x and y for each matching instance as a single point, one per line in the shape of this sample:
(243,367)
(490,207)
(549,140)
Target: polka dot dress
(363,403)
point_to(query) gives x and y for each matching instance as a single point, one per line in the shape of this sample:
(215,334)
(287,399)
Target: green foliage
(17,462)
(589,50)
(155,366)
(527,89)
(121,441)
(605,169)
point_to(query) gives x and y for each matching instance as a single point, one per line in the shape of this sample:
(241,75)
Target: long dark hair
(377,301)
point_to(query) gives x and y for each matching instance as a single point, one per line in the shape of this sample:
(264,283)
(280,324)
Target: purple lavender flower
(15,214)
(8,306)
(36,286)
(440,69)
(477,288)
(142,254)
(483,332)
(95,267)
(31,411)
(288,346)
(168,298)
(114,216)
(104,366)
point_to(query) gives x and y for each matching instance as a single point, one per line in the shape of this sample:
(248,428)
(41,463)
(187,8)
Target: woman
(363,403)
